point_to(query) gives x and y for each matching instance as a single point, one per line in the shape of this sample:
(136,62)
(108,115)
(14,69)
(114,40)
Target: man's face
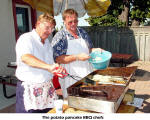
(71,22)
(45,29)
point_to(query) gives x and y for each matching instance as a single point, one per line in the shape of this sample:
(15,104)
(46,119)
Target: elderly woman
(71,48)
(35,68)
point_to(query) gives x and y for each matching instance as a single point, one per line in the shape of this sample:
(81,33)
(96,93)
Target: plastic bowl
(100,60)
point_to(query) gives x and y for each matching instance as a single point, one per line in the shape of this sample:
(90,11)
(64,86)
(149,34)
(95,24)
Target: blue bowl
(100,60)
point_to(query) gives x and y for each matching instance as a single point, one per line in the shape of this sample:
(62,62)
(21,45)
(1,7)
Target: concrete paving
(141,85)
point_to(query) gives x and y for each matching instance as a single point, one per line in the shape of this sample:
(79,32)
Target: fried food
(109,79)
(73,110)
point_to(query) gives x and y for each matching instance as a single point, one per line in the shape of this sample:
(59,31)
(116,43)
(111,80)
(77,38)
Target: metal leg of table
(5,92)
(121,64)
(4,87)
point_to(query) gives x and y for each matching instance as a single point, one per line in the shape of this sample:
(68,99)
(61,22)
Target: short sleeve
(24,45)
(59,44)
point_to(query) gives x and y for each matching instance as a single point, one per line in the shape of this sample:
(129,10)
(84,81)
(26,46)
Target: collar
(68,33)
(35,35)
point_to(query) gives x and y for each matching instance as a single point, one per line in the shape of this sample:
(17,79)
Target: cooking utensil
(77,78)
(65,74)
(89,81)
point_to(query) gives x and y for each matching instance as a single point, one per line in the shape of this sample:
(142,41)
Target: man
(71,48)
(35,68)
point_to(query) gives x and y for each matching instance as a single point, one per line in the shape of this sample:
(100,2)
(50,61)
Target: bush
(107,20)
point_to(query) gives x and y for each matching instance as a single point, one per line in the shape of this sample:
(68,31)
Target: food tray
(104,98)
(96,104)
(121,71)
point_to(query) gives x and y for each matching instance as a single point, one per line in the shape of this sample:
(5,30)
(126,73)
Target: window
(23,16)
(22,12)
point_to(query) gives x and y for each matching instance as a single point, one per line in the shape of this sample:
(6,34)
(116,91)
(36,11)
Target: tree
(107,20)
(140,10)
(129,13)
(111,18)
(124,16)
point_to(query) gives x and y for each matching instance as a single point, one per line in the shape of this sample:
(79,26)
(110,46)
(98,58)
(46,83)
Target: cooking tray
(101,102)
(106,92)
(104,98)
(121,71)
(125,72)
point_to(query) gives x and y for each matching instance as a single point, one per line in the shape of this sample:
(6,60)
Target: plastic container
(58,106)
(100,60)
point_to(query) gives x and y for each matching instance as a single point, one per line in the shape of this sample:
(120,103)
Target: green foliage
(115,8)
(137,14)
(139,11)
(111,19)
(107,20)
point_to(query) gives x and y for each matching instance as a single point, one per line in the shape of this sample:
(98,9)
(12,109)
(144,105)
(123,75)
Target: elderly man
(71,47)
(35,68)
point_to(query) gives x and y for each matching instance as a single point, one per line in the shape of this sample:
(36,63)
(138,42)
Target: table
(122,109)
(12,65)
(4,80)
(122,59)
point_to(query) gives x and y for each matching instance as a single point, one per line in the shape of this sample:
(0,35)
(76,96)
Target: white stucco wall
(7,37)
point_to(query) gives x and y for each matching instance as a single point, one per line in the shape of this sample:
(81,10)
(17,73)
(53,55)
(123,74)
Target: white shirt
(30,43)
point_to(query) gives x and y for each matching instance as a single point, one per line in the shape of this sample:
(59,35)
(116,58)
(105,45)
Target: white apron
(39,95)
(77,68)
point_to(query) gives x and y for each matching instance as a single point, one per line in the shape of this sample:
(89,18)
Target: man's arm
(65,59)
(32,61)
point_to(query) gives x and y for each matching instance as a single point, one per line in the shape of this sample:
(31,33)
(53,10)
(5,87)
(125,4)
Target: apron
(77,68)
(38,95)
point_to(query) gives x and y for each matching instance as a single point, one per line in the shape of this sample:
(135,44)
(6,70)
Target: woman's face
(71,22)
(45,29)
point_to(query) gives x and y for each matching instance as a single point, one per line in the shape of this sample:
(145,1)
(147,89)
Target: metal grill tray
(104,98)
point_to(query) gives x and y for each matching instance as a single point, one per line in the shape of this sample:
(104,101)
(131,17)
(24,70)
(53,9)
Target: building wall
(7,37)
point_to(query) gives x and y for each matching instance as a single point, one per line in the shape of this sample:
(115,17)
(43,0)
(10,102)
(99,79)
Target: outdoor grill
(103,97)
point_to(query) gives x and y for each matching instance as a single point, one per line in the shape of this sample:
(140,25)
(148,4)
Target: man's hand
(82,57)
(55,68)
(97,49)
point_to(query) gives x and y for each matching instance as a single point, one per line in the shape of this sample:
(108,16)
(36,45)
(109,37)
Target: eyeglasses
(71,22)
(48,27)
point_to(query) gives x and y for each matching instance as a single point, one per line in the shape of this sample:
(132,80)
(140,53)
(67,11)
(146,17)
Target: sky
(82,22)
